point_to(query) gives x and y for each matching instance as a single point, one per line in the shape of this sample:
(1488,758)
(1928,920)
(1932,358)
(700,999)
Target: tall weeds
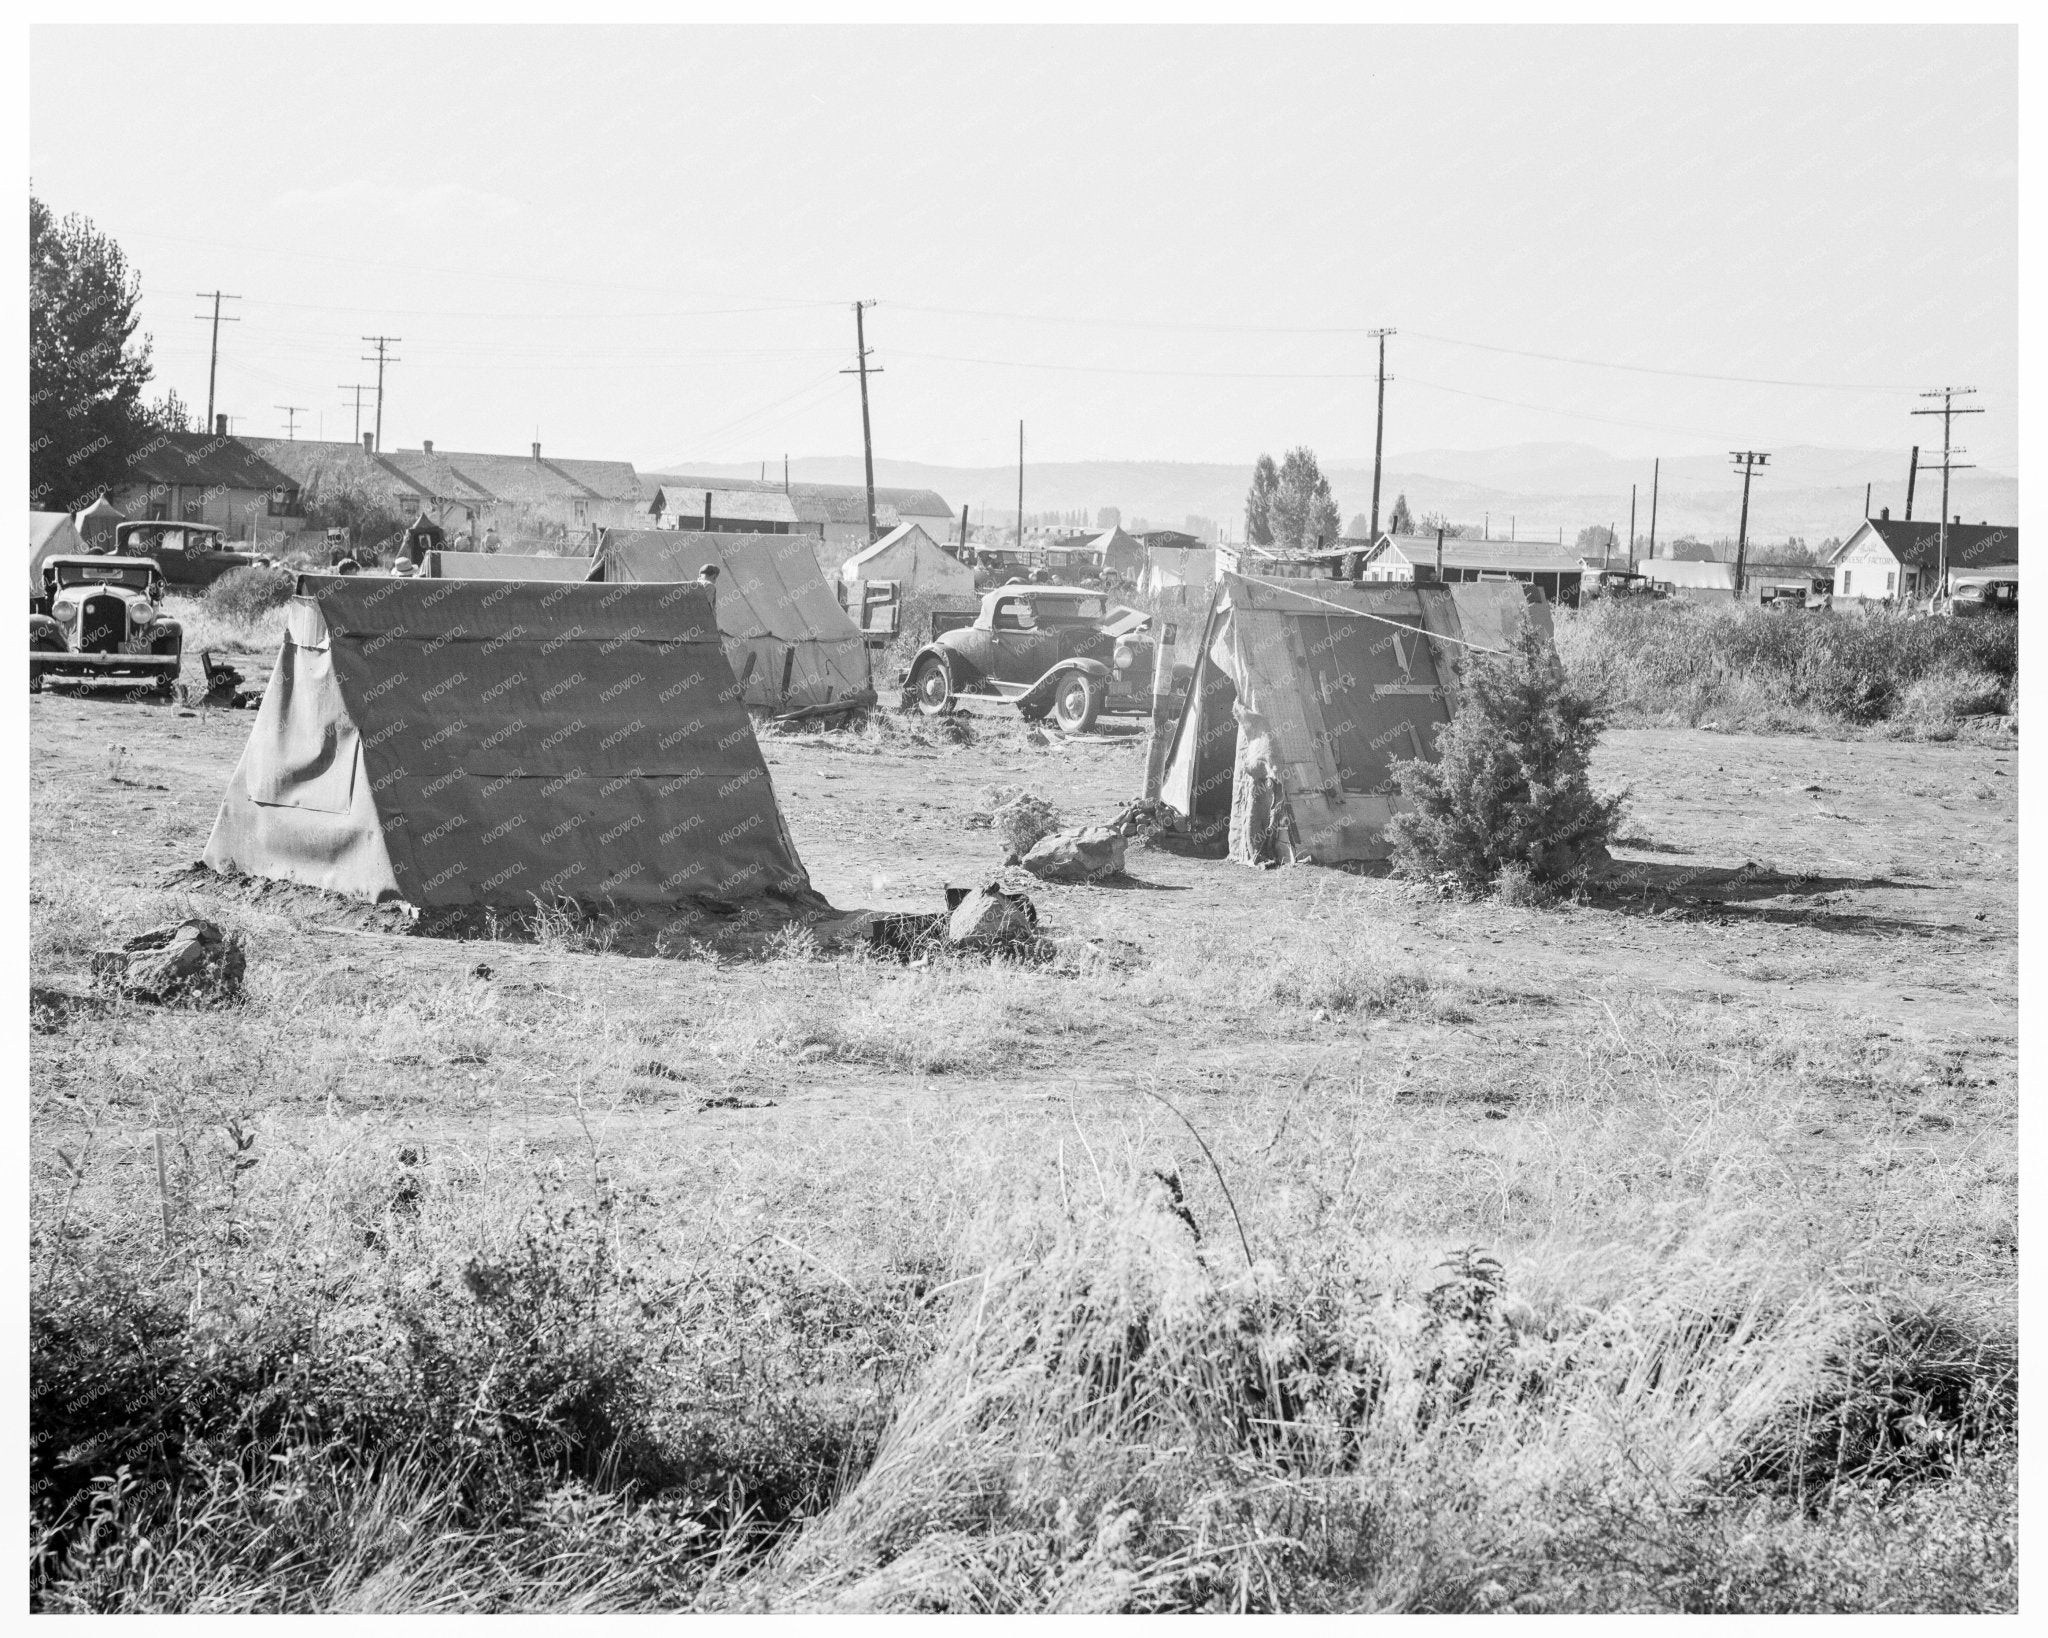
(1688,663)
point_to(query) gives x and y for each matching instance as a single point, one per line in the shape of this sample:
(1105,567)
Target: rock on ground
(990,919)
(1083,855)
(187,959)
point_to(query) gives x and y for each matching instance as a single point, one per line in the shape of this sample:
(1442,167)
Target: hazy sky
(1157,244)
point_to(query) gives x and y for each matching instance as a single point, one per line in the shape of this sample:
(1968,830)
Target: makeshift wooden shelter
(1304,692)
(791,645)
(470,743)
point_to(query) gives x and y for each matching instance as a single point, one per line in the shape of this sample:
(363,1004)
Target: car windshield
(135,576)
(1070,611)
(169,537)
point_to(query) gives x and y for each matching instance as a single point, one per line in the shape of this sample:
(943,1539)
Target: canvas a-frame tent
(1305,691)
(50,534)
(469,743)
(792,646)
(508,566)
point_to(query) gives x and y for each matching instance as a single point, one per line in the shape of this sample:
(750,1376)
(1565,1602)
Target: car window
(1015,614)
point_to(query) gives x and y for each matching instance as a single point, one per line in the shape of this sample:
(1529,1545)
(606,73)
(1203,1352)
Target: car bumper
(47,662)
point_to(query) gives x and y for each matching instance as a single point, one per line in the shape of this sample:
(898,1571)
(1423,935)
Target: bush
(1511,784)
(244,594)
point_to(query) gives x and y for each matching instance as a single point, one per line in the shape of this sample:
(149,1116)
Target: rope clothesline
(1399,625)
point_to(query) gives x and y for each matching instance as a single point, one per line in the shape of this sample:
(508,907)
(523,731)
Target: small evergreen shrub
(1511,785)
(246,593)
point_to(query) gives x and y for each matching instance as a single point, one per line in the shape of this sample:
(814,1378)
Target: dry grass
(209,628)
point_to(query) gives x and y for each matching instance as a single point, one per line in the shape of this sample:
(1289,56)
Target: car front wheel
(930,687)
(1077,702)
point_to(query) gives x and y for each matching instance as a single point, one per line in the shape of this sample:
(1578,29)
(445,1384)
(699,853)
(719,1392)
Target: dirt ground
(1843,890)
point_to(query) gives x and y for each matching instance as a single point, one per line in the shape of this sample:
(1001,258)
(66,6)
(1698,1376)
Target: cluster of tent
(505,730)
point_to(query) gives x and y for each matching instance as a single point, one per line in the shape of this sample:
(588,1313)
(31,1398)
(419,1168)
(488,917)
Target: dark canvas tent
(1305,691)
(791,645)
(50,534)
(508,566)
(464,743)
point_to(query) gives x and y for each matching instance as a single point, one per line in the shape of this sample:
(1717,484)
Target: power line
(213,354)
(1948,412)
(1749,460)
(860,368)
(382,358)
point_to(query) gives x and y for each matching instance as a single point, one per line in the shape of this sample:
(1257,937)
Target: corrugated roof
(202,458)
(734,505)
(828,502)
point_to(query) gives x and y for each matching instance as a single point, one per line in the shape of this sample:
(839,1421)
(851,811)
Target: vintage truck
(101,618)
(1057,651)
(189,554)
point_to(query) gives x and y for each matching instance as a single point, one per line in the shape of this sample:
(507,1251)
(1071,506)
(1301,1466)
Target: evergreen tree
(1511,786)
(85,370)
(1258,503)
(1400,521)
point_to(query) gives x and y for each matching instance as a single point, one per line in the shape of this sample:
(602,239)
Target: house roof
(436,475)
(1463,552)
(315,464)
(1918,544)
(516,478)
(1170,539)
(614,480)
(212,460)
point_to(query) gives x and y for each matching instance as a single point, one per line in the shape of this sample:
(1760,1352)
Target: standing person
(424,536)
(491,538)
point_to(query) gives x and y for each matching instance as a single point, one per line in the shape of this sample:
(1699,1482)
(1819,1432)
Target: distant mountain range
(1534,489)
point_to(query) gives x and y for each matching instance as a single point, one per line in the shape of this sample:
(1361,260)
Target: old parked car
(1056,651)
(1972,599)
(189,554)
(102,617)
(1617,583)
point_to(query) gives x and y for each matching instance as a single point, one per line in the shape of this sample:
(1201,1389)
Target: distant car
(1054,651)
(102,618)
(1974,599)
(1617,583)
(189,554)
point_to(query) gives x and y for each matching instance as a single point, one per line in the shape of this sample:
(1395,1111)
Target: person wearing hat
(707,577)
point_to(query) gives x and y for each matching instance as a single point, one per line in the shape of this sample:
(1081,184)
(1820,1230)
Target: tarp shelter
(469,743)
(1178,566)
(97,522)
(791,645)
(911,558)
(50,534)
(1303,694)
(508,566)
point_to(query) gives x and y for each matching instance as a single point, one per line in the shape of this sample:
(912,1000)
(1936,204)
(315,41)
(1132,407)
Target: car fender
(945,657)
(1041,692)
(45,635)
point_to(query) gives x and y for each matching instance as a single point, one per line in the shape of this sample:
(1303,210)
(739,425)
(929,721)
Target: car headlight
(65,614)
(1125,656)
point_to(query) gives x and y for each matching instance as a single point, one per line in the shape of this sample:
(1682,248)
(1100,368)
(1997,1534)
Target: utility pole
(1020,489)
(963,528)
(1948,412)
(1631,528)
(292,412)
(358,388)
(1866,500)
(860,368)
(1912,478)
(1379,428)
(382,358)
(785,471)
(1749,460)
(1656,472)
(213,355)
